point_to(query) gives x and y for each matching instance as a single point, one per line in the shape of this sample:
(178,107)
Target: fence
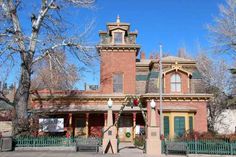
(220,147)
(46,141)
(194,146)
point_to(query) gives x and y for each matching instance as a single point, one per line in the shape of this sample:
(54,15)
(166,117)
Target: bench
(176,147)
(87,144)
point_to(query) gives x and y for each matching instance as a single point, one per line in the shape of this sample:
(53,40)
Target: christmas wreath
(128,134)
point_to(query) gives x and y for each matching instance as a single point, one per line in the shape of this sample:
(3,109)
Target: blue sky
(174,23)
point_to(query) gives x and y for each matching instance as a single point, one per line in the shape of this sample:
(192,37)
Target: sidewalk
(90,154)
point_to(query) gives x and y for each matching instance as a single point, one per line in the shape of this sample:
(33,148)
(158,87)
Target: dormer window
(175,82)
(118,37)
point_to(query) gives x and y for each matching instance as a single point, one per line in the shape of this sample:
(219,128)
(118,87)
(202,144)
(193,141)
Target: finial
(118,19)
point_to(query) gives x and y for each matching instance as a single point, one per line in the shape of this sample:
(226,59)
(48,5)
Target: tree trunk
(21,122)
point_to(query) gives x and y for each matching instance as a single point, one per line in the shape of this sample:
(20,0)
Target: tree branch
(11,8)
(36,23)
(51,49)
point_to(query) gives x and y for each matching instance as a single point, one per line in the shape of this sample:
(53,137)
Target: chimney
(182,53)
(151,56)
(142,55)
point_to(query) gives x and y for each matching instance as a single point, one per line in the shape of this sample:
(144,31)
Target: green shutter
(166,126)
(179,126)
(191,123)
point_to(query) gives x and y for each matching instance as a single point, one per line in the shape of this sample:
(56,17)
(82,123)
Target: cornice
(178,97)
(121,97)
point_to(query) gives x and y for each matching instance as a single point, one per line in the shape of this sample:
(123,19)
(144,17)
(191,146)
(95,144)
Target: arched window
(175,82)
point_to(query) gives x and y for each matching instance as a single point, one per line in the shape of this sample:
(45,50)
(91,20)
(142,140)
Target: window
(80,122)
(191,123)
(118,38)
(117,83)
(179,126)
(175,83)
(166,126)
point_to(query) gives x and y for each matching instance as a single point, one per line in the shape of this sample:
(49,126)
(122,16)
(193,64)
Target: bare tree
(54,73)
(45,33)
(216,79)
(223,31)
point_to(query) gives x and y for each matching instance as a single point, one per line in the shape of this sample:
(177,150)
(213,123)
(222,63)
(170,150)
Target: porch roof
(86,108)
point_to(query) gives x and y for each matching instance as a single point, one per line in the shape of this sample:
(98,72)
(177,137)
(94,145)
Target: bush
(139,141)
(194,135)
(230,137)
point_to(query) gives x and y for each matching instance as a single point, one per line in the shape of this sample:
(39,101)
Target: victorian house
(123,73)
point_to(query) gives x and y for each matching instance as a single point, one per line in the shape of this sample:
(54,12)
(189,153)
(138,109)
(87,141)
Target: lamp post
(153,142)
(153,104)
(153,113)
(109,112)
(161,116)
(109,103)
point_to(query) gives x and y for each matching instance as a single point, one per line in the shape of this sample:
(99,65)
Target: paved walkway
(88,154)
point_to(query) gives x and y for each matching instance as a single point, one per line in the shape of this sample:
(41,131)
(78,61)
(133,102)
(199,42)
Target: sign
(51,124)
(6,128)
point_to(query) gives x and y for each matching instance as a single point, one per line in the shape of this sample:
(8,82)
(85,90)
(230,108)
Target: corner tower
(118,51)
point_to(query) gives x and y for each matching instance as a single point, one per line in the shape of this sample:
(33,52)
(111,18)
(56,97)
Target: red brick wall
(200,117)
(118,62)
(184,82)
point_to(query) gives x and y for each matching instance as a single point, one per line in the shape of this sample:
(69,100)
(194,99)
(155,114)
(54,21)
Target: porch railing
(220,147)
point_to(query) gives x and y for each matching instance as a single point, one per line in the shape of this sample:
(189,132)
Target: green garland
(128,134)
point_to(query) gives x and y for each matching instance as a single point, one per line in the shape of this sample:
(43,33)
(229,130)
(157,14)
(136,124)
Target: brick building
(123,73)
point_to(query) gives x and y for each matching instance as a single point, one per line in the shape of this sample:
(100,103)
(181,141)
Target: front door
(179,126)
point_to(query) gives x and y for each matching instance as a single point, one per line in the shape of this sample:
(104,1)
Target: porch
(90,124)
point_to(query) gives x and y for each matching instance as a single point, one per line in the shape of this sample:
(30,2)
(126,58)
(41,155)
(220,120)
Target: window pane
(172,87)
(179,126)
(177,78)
(172,79)
(118,83)
(118,38)
(175,83)
(178,87)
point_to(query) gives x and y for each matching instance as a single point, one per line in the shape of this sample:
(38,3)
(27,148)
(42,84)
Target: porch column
(70,129)
(86,122)
(105,119)
(134,123)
